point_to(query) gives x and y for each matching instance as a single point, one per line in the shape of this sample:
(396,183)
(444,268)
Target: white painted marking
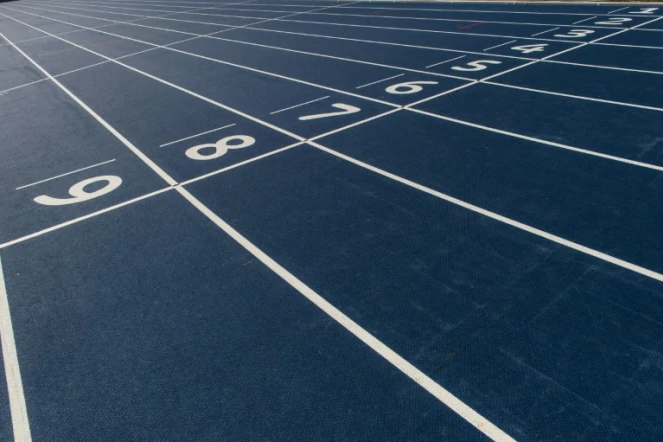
(17,406)
(379,81)
(298,105)
(79,194)
(584,19)
(497,46)
(101,121)
(445,61)
(346,109)
(197,135)
(81,218)
(541,33)
(617,10)
(503,219)
(444,396)
(65,174)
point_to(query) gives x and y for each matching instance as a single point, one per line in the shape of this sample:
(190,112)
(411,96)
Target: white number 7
(346,110)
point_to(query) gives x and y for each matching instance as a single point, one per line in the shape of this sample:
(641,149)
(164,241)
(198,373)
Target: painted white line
(542,141)
(443,395)
(617,10)
(81,218)
(541,33)
(357,123)
(379,81)
(445,61)
(94,115)
(65,174)
(503,219)
(197,135)
(583,20)
(296,80)
(17,406)
(579,97)
(497,46)
(298,105)
(194,94)
(631,46)
(242,163)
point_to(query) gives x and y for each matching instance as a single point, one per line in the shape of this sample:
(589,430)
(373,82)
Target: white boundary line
(379,81)
(583,20)
(617,10)
(541,33)
(503,219)
(65,174)
(497,46)
(197,135)
(17,406)
(298,105)
(432,387)
(445,61)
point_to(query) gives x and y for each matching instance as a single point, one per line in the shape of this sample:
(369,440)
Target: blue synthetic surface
(471,183)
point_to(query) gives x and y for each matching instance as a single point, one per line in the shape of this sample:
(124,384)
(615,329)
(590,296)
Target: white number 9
(78,193)
(220,147)
(409,87)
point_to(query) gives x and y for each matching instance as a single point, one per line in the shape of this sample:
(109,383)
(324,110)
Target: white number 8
(78,193)
(220,147)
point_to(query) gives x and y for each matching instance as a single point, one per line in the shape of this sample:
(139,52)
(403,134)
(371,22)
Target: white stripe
(81,218)
(17,407)
(580,21)
(497,46)
(445,61)
(64,174)
(379,81)
(101,121)
(616,10)
(297,105)
(197,135)
(444,396)
(540,33)
(554,238)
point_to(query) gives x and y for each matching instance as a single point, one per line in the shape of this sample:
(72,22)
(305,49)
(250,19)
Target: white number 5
(78,193)
(478,65)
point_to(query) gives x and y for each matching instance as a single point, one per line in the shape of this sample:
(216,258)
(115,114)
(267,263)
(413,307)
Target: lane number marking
(346,109)
(478,65)
(78,193)
(220,148)
(408,87)
(527,49)
(576,33)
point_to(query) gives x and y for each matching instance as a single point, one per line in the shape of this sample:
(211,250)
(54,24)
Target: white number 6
(409,87)
(78,193)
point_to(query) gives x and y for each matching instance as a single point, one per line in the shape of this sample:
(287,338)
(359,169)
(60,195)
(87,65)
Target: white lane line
(503,219)
(541,33)
(81,218)
(17,406)
(160,80)
(497,46)
(542,141)
(583,20)
(242,163)
(298,105)
(101,121)
(379,81)
(617,10)
(197,135)
(445,61)
(215,60)
(65,174)
(432,387)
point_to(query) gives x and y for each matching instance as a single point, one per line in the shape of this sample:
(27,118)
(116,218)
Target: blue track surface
(276,220)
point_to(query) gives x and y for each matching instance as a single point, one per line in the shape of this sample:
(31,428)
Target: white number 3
(78,193)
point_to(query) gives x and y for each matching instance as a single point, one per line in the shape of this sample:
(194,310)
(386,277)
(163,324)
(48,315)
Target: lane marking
(583,20)
(617,10)
(81,218)
(65,174)
(101,121)
(203,57)
(379,81)
(432,387)
(503,219)
(298,105)
(197,135)
(17,406)
(445,61)
(541,33)
(497,46)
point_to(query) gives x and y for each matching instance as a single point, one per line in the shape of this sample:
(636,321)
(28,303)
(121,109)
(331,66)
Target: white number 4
(526,49)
